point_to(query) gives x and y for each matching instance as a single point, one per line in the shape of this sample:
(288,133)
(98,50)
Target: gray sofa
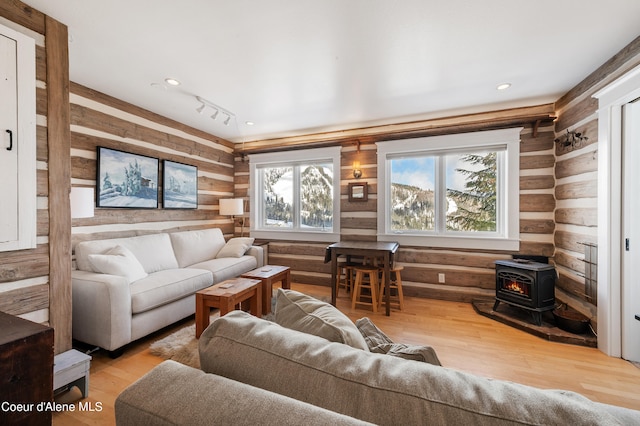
(264,368)
(125,288)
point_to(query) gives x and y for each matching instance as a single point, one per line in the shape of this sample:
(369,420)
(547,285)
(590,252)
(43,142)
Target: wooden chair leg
(356,289)
(375,289)
(399,289)
(395,283)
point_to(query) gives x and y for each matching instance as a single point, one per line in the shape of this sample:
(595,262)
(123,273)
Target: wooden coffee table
(226,296)
(270,274)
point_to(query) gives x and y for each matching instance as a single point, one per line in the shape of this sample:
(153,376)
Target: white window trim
(282,158)
(510,235)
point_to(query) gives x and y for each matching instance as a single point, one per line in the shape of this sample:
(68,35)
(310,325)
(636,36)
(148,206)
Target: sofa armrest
(101,309)
(185,395)
(258,253)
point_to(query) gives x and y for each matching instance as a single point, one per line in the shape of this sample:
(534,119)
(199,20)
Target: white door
(8,138)
(631,233)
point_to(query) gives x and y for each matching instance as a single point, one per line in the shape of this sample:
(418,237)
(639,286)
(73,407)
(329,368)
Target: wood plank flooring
(463,339)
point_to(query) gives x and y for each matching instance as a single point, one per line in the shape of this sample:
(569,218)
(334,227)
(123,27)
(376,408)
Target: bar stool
(345,270)
(395,282)
(372,284)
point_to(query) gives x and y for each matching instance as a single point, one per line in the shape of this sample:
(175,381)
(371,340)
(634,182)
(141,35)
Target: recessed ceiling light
(249,123)
(172,81)
(503,86)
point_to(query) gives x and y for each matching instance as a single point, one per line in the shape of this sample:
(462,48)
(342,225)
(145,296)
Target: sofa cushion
(235,247)
(379,342)
(378,388)
(309,315)
(182,395)
(166,286)
(154,251)
(227,267)
(118,261)
(193,247)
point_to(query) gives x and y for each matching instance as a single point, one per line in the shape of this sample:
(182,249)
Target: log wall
(576,174)
(35,283)
(100,120)
(468,273)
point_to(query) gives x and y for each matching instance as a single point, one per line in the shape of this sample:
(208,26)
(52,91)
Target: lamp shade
(231,206)
(82,202)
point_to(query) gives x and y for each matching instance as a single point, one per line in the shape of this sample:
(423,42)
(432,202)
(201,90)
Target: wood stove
(526,284)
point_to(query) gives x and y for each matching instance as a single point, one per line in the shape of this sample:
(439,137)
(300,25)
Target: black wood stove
(526,284)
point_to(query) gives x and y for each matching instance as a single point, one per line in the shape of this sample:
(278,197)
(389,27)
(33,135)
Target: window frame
(507,236)
(292,159)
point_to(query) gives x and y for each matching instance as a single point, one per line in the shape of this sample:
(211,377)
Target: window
(296,195)
(451,191)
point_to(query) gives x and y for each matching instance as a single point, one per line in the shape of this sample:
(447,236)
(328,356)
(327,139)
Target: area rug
(181,346)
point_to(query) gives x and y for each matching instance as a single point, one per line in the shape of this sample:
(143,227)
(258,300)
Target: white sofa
(126,288)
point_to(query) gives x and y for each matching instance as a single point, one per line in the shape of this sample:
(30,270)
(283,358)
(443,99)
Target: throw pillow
(118,261)
(309,315)
(374,337)
(378,342)
(235,247)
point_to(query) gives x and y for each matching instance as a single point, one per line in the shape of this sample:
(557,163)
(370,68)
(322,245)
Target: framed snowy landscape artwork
(179,186)
(126,180)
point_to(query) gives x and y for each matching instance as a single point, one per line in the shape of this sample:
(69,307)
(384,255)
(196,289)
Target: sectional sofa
(276,374)
(125,288)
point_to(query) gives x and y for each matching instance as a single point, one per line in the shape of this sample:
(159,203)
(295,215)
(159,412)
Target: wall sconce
(357,172)
(570,141)
(233,207)
(82,202)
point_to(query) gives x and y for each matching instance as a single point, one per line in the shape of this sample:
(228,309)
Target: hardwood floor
(463,340)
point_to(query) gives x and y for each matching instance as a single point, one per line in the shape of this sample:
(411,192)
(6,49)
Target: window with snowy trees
(451,191)
(296,194)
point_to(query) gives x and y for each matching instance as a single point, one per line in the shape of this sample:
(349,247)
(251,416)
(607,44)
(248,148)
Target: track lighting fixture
(217,109)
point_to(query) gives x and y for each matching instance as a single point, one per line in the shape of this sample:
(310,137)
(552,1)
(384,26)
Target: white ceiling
(303,66)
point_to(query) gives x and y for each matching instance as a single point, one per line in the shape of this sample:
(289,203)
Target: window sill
(331,237)
(466,242)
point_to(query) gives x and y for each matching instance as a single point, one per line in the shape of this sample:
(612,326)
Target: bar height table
(377,249)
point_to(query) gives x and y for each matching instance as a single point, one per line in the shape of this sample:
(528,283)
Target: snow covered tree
(477,203)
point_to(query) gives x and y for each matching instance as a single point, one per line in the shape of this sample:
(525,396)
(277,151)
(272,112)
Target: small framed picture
(126,180)
(358,191)
(179,186)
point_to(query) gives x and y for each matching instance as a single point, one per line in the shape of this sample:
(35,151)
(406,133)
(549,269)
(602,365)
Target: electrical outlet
(440,278)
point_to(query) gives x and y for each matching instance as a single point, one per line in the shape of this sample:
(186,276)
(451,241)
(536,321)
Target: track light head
(201,108)
(226,120)
(215,114)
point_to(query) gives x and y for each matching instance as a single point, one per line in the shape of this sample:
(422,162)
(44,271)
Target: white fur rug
(181,346)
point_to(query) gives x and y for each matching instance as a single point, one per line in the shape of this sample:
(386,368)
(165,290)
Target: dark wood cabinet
(26,371)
